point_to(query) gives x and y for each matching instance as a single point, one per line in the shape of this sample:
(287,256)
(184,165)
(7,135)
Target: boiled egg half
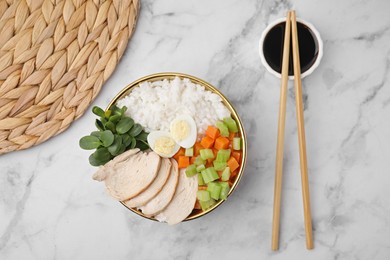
(163,144)
(183,131)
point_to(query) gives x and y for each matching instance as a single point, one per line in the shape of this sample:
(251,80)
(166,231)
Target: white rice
(155,104)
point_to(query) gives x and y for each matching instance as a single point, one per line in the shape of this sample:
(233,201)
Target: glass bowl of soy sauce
(271,47)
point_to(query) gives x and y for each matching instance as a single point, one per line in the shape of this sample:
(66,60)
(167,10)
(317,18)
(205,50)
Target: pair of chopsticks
(291,28)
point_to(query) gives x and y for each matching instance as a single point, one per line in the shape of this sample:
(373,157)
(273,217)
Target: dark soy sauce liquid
(273,48)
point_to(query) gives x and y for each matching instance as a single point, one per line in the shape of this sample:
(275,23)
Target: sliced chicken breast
(182,202)
(162,199)
(100,175)
(154,188)
(126,179)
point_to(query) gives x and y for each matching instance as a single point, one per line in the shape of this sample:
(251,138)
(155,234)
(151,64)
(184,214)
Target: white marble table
(51,209)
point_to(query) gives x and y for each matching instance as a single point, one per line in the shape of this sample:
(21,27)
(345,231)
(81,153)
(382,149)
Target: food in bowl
(193,154)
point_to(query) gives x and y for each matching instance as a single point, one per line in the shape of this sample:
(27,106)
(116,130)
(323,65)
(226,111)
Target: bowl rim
(304,22)
(170,75)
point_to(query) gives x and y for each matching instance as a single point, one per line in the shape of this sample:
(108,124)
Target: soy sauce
(273,48)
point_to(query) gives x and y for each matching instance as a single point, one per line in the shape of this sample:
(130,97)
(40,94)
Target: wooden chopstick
(280,142)
(301,133)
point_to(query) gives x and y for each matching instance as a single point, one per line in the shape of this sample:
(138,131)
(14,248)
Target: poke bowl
(211,153)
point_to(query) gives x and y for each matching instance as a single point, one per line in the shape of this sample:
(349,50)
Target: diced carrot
(221,143)
(210,161)
(219,174)
(212,132)
(215,152)
(233,164)
(197,205)
(231,136)
(230,183)
(236,155)
(202,187)
(233,174)
(192,160)
(197,148)
(181,152)
(184,161)
(207,142)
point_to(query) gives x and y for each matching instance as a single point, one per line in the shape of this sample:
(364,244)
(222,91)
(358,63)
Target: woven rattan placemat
(55,56)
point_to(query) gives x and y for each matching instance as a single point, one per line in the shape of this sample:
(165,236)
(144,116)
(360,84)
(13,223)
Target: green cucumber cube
(200,180)
(223,129)
(225,188)
(215,189)
(189,152)
(209,175)
(219,166)
(200,168)
(231,124)
(191,170)
(203,195)
(199,161)
(207,204)
(236,143)
(226,174)
(206,154)
(223,155)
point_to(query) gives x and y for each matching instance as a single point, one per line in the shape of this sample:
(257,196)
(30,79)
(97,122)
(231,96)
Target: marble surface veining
(50,208)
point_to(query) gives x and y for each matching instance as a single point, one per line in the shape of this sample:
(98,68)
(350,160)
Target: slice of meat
(182,202)
(101,174)
(154,188)
(128,178)
(162,199)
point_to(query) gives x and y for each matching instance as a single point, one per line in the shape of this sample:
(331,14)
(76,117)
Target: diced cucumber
(200,180)
(206,154)
(215,189)
(231,124)
(219,166)
(224,190)
(223,155)
(209,175)
(207,204)
(191,170)
(189,152)
(223,129)
(203,195)
(199,161)
(236,143)
(200,168)
(226,174)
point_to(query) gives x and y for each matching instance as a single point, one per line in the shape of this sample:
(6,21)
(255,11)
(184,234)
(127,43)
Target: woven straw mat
(55,56)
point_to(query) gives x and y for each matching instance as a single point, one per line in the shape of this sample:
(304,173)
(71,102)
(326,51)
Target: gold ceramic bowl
(170,75)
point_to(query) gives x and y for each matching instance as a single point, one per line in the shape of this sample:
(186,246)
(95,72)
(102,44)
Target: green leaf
(99,125)
(142,136)
(107,138)
(115,110)
(124,125)
(142,145)
(89,142)
(96,133)
(110,126)
(115,146)
(123,110)
(122,149)
(98,111)
(133,142)
(94,162)
(115,118)
(135,130)
(102,154)
(126,139)
(104,120)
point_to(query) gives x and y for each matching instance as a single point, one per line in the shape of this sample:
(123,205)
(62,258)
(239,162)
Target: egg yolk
(180,130)
(164,145)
